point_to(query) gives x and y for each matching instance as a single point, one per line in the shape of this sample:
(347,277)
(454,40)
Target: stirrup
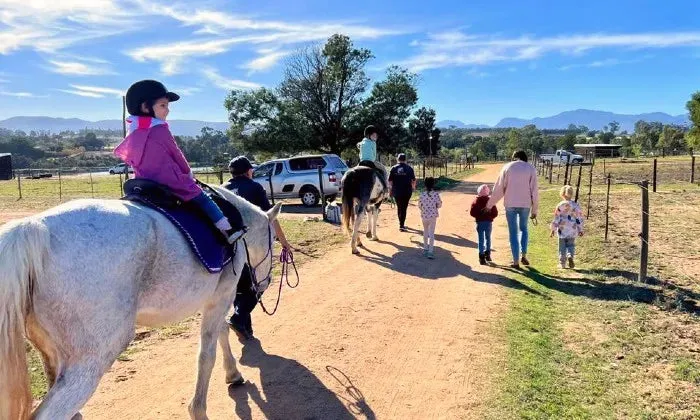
(236,236)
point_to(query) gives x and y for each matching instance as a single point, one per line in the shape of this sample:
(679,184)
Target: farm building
(589,151)
(5,166)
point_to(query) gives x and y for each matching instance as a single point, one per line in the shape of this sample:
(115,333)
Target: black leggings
(402,208)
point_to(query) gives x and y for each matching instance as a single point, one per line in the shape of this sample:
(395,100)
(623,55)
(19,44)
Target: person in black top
(402,182)
(242,184)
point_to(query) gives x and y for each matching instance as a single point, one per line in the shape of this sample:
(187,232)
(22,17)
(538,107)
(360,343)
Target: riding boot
(482,259)
(487,256)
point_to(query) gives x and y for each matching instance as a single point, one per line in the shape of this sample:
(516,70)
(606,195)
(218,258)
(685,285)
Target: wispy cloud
(22,94)
(92,91)
(608,62)
(267,59)
(227,84)
(449,49)
(77,68)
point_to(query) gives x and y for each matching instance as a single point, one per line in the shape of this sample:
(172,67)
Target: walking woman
(517,185)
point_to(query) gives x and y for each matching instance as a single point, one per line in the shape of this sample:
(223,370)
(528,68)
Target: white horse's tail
(23,246)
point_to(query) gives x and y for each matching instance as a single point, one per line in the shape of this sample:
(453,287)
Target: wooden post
(692,170)
(590,190)
(60,187)
(558,170)
(550,164)
(644,257)
(578,181)
(19,185)
(423,168)
(92,187)
(221,177)
(323,194)
(654,176)
(604,173)
(566,173)
(272,193)
(607,209)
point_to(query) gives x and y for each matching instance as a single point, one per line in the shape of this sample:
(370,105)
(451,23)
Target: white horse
(363,192)
(78,278)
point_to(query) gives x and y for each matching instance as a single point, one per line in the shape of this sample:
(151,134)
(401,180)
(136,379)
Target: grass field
(595,343)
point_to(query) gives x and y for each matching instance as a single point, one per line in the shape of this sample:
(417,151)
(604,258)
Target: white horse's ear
(274,212)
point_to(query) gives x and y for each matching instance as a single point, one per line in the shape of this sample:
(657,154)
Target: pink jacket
(151,150)
(517,182)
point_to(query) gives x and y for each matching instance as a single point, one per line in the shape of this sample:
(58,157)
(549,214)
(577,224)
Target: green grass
(592,343)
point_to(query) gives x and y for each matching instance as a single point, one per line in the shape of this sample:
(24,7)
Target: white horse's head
(261,235)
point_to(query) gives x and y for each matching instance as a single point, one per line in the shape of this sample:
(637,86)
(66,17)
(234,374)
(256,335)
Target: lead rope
(286,259)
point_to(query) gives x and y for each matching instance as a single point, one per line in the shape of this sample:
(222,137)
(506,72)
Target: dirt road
(388,335)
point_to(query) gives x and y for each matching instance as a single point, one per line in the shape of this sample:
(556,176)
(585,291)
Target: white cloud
(227,84)
(186,91)
(266,60)
(92,91)
(449,49)
(77,68)
(21,94)
(607,62)
(172,56)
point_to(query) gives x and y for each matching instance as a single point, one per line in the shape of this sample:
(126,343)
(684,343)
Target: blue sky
(479,61)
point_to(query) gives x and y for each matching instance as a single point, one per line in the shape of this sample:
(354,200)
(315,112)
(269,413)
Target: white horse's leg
(374,217)
(359,215)
(233,376)
(212,321)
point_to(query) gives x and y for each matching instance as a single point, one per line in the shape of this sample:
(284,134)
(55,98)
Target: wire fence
(646,213)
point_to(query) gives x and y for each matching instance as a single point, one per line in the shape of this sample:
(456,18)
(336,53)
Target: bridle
(286,259)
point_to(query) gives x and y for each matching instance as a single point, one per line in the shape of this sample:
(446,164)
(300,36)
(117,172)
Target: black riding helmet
(147,91)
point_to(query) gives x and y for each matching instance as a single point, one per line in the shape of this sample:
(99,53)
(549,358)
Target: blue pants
(566,245)
(517,230)
(483,231)
(209,207)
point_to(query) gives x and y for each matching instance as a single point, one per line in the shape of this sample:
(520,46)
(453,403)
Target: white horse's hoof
(236,380)
(369,235)
(356,252)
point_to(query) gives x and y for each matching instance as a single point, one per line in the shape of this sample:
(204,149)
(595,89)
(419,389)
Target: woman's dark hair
(429,183)
(520,155)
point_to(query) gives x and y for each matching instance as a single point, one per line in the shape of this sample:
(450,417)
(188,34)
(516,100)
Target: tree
(90,142)
(672,137)
(693,106)
(321,104)
(421,128)
(646,135)
(567,141)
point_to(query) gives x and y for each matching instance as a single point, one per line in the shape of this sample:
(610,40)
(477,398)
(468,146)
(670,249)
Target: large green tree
(322,103)
(693,106)
(421,128)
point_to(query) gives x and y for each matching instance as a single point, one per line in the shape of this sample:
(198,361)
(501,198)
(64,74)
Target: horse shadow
(409,260)
(289,390)
(595,289)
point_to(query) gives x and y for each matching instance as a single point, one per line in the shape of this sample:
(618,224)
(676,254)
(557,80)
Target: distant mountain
(55,125)
(458,124)
(594,120)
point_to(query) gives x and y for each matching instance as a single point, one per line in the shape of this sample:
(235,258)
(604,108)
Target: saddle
(205,239)
(380,174)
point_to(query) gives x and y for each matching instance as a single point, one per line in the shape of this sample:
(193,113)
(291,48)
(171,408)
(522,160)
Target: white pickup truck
(298,177)
(562,156)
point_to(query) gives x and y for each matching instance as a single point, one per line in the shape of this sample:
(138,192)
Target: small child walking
(568,224)
(484,222)
(429,202)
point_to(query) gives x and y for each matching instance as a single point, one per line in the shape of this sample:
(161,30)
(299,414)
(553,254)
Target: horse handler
(247,297)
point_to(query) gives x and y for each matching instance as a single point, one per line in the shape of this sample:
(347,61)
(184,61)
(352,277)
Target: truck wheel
(310,196)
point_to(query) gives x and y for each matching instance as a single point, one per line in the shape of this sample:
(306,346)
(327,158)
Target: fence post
(644,258)
(60,187)
(323,194)
(550,165)
(423,168)
(654,176)
(604,167)
(92,187)
(221,177)
(607,209)
(272,193)
(19,185)
(590,190)
(692,170)
(578,181)
(566,173)
(121,184)
(558,170)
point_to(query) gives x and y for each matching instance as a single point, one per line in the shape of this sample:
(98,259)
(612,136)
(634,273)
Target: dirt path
(387,334)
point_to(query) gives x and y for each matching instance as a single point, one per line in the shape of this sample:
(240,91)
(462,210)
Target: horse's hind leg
(373,218)
(233,376)
(359,215)
(212,322)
